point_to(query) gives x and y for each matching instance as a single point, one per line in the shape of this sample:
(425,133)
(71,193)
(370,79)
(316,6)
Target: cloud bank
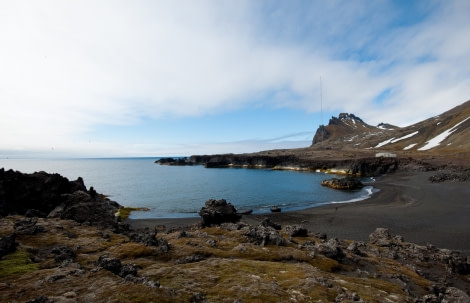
(69,67)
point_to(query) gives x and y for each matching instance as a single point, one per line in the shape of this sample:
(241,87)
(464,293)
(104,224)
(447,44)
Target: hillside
(445,134)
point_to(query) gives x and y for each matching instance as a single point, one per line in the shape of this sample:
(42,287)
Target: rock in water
(218,212)
(347,183)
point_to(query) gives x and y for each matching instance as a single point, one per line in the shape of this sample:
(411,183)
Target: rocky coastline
(62,242)
(368,165)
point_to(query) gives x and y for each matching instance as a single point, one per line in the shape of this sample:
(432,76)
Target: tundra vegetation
(66,261)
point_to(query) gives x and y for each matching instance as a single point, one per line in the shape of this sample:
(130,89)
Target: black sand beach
(408,204)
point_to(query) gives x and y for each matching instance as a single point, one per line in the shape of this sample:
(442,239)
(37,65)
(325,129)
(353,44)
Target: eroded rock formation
(51,195)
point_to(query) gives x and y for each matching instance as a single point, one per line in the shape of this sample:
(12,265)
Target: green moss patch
(125,212)
(17,263)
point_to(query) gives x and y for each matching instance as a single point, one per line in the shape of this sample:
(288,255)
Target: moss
(132,250)
(18,262)
(125,212)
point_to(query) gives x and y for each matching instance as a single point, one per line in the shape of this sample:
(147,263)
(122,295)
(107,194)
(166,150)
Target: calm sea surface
(180,191)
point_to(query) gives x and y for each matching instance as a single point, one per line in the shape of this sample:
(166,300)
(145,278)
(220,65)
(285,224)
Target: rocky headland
(62,242)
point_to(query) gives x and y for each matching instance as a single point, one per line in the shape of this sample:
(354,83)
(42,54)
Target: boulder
(63,253)
(112,264)
(149,238)
(330,249)
(382,237)
(261,235)
(348,183)
(29,226)
(7,245)
(80,206)
(268,223)
(218,212)
(115,266)
(296,231)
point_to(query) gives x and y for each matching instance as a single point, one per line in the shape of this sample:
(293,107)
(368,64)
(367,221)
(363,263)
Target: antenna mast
(321,113)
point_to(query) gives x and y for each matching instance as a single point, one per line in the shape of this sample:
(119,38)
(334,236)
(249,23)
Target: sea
(181,191)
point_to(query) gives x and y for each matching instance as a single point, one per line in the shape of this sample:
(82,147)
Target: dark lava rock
(218,212)
(296,231)
(29,227)
(41,299)
(41,194)
(261,235)
(7,245)
(450,176)
(382,237)
(114,265)
(81,207)
(330,249)
(347,183)
(149,238)
(128,270)
(63,253)
(268,223)
(39,191)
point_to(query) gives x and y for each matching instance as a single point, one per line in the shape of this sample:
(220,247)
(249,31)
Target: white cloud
(69,66)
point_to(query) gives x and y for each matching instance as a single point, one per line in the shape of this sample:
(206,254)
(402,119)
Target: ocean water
(181,191)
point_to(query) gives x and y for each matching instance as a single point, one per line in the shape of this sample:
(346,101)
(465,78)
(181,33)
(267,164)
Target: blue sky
(153,78)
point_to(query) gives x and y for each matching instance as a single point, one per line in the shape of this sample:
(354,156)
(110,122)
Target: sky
(177,78)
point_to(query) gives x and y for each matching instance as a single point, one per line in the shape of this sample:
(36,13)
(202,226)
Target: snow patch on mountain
(410,146)
(393,140)
(441,137)
(405,137)
(384,143)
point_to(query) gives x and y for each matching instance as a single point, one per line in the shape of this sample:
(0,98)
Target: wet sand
(407,204)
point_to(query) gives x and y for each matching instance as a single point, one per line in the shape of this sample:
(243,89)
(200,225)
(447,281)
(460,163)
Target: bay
(181,191)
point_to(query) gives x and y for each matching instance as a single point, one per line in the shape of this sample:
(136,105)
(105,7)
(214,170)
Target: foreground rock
(51,195)
(233,262)
(218,212)
(347,183)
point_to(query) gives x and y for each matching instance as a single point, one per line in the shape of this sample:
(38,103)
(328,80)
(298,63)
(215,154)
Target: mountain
(447,133)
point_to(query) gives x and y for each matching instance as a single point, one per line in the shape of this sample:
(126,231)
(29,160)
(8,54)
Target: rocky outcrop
(296,231)
(262,235)
(347,183)
(39,191)
(115,266)
(174,161)
(149,238)
(7,245)
(218,212)
(51,195)
(382,237)
(369,166)
(461,176)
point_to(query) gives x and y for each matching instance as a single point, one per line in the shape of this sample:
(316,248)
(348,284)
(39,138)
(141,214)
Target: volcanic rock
(51,195)
(261,235)
(347,183)
(218,212)
(7,245)
(296,231)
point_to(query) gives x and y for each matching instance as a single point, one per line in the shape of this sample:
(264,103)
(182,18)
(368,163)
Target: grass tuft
(18,262)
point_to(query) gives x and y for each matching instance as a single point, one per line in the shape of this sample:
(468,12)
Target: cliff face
(367,166)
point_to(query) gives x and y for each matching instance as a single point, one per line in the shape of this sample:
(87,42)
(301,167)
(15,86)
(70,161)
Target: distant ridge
(447,133)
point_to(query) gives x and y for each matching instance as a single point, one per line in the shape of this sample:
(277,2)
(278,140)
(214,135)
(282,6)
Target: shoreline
(407,203)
